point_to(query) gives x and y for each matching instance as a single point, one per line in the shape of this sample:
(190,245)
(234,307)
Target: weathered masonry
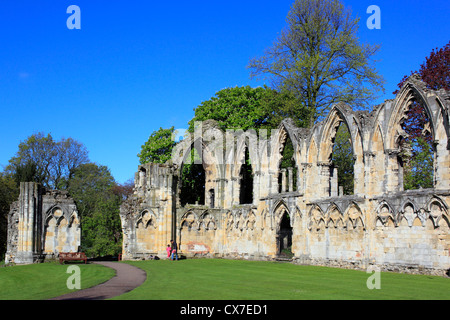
(302,207)
(41,224)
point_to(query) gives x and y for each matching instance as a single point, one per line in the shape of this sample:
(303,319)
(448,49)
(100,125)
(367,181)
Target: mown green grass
(46,280)
(204,279)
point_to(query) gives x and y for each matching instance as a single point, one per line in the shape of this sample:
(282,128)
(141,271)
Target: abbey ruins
(300,208)
(380,224)
(41,223)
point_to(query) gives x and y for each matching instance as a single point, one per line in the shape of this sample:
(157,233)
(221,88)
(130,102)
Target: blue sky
(136,66)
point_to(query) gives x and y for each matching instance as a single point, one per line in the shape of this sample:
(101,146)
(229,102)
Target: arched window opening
(246,180)
(416,148)
(193,178)
(343,160)
(287,178)
(284,237)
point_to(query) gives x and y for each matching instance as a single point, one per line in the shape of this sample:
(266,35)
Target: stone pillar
(333,181)
(28,207)
(291,181)
(283,180)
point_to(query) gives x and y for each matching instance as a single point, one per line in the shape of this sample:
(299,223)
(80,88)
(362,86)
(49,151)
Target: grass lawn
(204,279)
(46,280)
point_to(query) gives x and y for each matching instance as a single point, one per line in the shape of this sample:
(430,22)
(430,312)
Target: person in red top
(174,250)
(169,250)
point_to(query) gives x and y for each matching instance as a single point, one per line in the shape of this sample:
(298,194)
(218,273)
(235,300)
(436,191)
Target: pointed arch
(189,220)
(409,93)
(207,221)
(146,219)
(354,216)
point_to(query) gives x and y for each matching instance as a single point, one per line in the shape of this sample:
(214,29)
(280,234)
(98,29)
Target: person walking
(174,250)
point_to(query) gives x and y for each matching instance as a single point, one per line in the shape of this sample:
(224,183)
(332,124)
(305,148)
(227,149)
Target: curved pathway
(127,278)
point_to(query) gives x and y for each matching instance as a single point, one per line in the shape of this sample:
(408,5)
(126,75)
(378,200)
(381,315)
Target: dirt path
(127,278)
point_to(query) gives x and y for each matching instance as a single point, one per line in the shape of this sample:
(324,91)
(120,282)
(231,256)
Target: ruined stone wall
(380,224)
(41,224)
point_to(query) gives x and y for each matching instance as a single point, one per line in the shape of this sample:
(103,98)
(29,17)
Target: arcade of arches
(254,206)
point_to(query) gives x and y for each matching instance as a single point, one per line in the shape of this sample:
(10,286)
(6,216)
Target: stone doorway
(284,237)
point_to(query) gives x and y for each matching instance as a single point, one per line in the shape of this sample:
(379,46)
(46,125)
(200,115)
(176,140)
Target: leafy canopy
(319,58)
(158,148)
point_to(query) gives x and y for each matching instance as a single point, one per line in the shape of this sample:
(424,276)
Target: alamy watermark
(74,281)
(374,281)
(374,21)
(74,20)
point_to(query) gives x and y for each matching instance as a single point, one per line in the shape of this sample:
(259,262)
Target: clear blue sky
(136,66)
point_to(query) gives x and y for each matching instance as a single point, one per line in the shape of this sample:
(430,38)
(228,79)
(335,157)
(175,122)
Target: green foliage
(418,172)
(235,108)
(319,59)
(158,148)
(282,104)
(192,181)
(8,194)
(93,188)
(43,160)
(343,158)
(288,161)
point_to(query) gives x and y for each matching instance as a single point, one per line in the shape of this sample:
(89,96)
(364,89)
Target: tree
(34,159)
(95,193)
(43,160)
(158,148)
(319,58)
(8,194)
(236,108)
(435,71)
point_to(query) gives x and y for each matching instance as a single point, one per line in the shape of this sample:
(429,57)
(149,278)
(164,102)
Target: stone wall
(380,224)
(41,224)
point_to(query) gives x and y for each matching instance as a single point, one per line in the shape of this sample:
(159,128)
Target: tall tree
(319,58)
(35,158)
(236,108)
(95,192)
(42,159)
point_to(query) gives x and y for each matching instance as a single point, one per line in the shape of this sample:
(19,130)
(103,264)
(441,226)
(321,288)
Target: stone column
(291,181)
(28,202)
(283,180)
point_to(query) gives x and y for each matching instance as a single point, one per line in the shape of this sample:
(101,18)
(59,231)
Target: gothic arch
(147,218)
(246,140)
(384,214)
(438,211)
(316,218)
(278,144)
(189,220)
(338,114)
(354,216)
(333,215)
(207,221)
(280,209)
(409,92)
